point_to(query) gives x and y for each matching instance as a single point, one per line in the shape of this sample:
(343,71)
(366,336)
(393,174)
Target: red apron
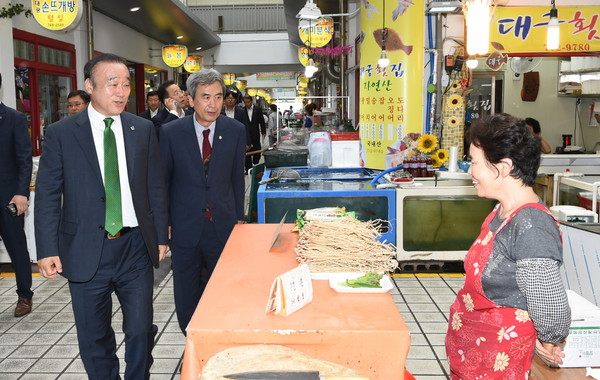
(485,340)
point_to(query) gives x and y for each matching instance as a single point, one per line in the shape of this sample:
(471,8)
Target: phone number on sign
(577,47)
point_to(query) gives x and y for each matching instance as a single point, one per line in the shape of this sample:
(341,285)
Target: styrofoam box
(345,154)
(583,343)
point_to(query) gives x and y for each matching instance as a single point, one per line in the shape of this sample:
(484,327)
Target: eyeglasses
(178,92)
(75,105)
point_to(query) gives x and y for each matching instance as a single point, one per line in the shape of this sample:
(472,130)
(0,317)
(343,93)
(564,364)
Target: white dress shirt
(97,123)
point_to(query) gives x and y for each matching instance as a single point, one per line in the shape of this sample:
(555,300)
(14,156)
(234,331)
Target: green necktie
(112,185)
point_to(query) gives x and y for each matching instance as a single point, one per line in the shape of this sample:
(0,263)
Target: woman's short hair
(502,136)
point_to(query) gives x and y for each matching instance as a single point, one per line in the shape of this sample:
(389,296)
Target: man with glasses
(173,99)
(77,101)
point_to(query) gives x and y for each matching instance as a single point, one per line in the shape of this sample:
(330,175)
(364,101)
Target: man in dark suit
(173,100)
(153,104)
(15,176)
(231,110)
(257,129)
(203,158)
(101,219)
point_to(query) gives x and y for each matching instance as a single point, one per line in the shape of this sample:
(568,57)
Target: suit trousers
(192,268)
(126,270)
(13,235)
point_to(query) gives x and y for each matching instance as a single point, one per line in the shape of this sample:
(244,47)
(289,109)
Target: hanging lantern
(303,55)
(241,84)
(251,91)
(174,55)
(193,63)
(261,92)
(228,78)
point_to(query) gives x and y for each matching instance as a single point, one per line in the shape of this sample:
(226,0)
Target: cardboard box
(583,343)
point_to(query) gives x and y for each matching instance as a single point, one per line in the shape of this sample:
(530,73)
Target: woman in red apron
(485,339)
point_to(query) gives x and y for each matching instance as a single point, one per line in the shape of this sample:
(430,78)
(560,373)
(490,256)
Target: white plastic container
(345,154)
(319,150)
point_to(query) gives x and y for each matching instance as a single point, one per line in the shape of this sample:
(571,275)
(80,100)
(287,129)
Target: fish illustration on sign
(392,42)
(495,60)
(402,7)
(370,8)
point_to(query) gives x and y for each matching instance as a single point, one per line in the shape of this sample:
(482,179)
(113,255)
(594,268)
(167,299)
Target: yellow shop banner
(174,55)
(228,78)
(523,29)
(61,15)
(303,53)
(192,63)
(316,33)
(391,98)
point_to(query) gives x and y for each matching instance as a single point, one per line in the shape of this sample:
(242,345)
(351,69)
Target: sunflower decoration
(453,121)
(441,156)
(454,101)
(427,143)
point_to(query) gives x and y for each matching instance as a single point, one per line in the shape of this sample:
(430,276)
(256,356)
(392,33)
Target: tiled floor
(43,344)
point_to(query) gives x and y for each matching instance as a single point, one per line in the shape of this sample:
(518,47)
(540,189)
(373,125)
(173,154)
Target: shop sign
(192,63)
(241,84)
(284,75)
(303,55)
(63,15)
(228,78)
(390,98)
(303,80)
(523,30)
(174,55)
(316,33)
(251,91)
(261,92)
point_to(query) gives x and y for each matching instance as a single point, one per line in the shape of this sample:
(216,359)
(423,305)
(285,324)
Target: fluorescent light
(383,59)
(179,37)
(199,48)
(553,36)
(443,6)
(310,11)
(477,17)
(134,9)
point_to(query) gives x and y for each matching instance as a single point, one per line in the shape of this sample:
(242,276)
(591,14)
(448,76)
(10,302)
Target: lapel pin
(132,128)
(220,137)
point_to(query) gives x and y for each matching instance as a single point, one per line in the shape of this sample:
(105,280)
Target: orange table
(364,332)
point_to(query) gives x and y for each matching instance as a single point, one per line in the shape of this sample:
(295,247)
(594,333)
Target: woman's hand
(551,352)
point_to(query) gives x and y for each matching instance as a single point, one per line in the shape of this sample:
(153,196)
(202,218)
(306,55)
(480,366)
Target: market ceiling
(163,20)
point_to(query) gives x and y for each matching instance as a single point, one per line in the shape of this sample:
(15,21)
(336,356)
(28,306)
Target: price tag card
(290,291)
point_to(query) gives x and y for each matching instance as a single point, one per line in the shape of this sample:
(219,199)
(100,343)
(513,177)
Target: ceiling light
(179,37)
(310,11)
(134,9)
(553,36)
(199,48)
(443,6)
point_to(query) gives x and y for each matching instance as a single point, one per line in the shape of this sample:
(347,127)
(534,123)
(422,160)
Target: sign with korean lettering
(316,33)
(57,14)
(303,53)
(524,29)
(276,75)
(228,78)
(391,98)
(174,55)
(192,63)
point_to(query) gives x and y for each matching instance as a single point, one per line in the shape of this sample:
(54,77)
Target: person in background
(173,100)
(203,157)
(153,103)
(187,108)
(513,300)
(230,109)
(534,127)
(309,118)
(275,122)
(257,129)
(101,223)
(15,177)
(77,101)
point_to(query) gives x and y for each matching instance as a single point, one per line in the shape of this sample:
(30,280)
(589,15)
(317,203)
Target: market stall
(364,332)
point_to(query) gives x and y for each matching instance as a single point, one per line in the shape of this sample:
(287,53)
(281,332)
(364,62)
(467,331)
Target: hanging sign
(241,84)
(524,29)
(174,55)
(316,33)
(57,15)
(303,80)
(261,92)
(391,98)
(303,53)
(228,78)
(251,91)
(192,63)
(276,75)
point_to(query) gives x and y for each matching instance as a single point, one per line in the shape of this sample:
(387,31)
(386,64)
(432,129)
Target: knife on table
(289,375)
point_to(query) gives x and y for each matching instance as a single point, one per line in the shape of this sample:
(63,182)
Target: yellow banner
(57,14)
(192,63)
(316,33)
(303,55)
(391,98)
(174,55)
(523,29)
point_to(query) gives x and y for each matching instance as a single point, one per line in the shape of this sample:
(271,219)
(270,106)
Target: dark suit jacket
(191,191)
(70,204)
(257,125)
(15,155)
(241,115)
(164,116)
(145,114)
